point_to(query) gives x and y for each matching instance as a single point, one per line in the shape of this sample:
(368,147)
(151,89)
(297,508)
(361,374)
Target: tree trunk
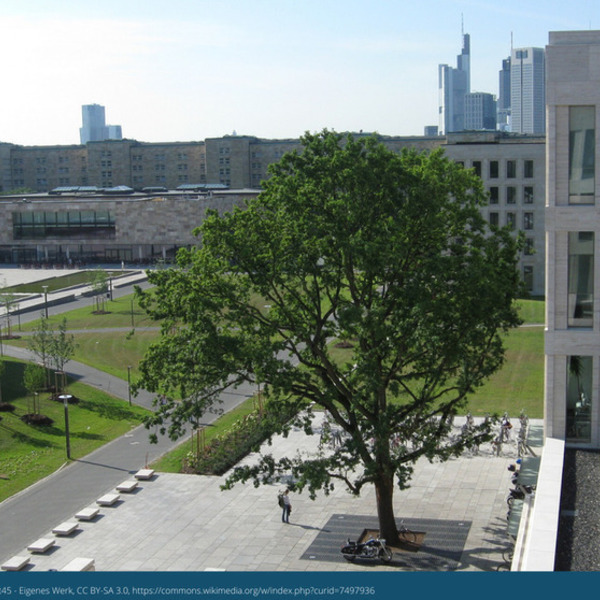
(384,490)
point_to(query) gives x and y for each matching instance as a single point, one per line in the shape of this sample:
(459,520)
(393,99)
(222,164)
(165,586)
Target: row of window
(511,220)
(512,169)
(511,194)
(72,223)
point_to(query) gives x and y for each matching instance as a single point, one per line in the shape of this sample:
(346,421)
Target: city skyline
(194,69)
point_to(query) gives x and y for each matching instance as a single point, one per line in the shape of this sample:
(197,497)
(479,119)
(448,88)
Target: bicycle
(409,536)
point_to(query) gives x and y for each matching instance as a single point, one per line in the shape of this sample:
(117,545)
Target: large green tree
(349,242)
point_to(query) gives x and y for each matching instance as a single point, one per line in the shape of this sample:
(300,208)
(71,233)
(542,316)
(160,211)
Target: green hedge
(227,449)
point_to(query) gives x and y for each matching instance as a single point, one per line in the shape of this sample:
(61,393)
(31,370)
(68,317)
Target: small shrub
(35,419)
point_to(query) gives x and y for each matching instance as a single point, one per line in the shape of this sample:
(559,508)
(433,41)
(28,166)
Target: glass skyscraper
(528,90)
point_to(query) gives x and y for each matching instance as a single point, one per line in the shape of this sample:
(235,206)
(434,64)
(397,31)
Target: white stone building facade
(572,344)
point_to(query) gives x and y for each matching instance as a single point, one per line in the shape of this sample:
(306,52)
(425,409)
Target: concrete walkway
(178,522)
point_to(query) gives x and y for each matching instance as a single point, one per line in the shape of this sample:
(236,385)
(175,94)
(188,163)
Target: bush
(226,450)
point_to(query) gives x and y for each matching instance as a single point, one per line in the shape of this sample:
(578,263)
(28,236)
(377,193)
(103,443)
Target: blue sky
(183,70)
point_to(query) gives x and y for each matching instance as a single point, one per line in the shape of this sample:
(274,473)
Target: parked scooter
(371,549)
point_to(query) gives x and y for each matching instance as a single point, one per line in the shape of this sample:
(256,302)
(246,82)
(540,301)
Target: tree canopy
(348,242)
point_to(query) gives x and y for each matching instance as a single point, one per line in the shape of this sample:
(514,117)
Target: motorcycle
(371,549)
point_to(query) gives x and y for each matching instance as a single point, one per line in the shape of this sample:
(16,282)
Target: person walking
(287,507)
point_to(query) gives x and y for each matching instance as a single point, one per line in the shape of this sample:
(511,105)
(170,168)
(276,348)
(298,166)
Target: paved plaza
(178,522)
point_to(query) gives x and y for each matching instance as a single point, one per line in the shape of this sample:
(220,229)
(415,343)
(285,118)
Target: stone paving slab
(186,523)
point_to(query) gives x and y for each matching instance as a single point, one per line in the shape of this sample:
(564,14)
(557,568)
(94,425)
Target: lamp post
(129,383)
(60,376)
(45,288)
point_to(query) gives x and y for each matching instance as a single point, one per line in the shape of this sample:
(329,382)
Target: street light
(60,376)
(45,288)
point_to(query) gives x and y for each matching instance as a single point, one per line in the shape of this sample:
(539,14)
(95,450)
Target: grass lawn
(29,453)
(518,385)
(120,312)
(59,283)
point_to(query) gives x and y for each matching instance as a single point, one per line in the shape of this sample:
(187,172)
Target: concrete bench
(87,514)
(16,563)
(66,528)
(127,486)
(42,545)
(108,499)
(80,564)
(144,474)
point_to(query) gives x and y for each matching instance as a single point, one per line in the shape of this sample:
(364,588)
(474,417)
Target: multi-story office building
(503,104)
(453,85)
(512,168)
(572,379)
(94,127)
(528,90)
(480,111)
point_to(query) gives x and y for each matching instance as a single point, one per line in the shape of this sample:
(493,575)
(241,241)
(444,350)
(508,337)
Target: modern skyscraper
(480,111)
(528,90)
(503,104)
(453,85)
(94,127)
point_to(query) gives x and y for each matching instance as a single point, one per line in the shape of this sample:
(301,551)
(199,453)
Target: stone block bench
(87,514)
(16,563)
(80,564)
(66,528)
(40,546)
(127,486)
(108,499)
(144,474)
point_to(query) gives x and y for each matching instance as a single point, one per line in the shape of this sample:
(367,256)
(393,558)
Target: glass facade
(582,155)
(72,224)
(581,279)
(579,398)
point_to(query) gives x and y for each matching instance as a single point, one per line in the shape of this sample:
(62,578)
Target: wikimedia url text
(178,591)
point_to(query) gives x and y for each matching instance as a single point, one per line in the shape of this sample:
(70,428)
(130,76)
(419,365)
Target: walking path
(56,498)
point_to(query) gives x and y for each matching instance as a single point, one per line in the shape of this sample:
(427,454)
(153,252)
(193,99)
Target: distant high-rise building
(430,130)
(453,85)
(94,128)
(528,90)
(480,111)
(503,103)
(114,132)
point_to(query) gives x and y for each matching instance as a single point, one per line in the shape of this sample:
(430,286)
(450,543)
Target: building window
(493,169)
(528,220)
(528,277)
(581,279)
(528,169)
(494,195)
(510,220)
(511,169)
(477,167)
(528,194)
(529,247)
(579,398)
(494,219)
(511,195)
(582,159)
